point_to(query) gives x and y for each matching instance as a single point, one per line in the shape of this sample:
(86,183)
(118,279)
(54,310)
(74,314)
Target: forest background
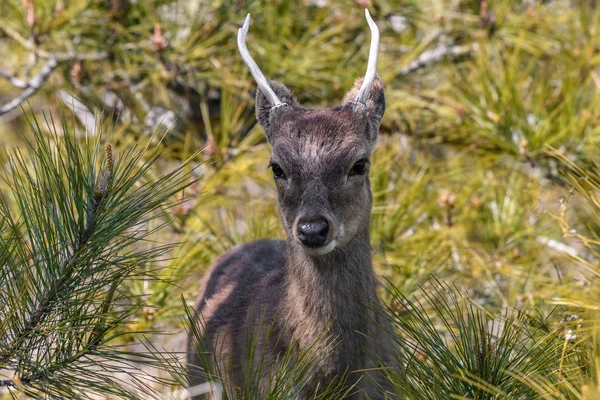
(486,182)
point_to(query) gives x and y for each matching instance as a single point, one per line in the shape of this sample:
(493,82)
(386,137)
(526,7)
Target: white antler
(364,90)
(259,77)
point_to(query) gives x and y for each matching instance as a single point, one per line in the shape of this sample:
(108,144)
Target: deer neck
(334,291)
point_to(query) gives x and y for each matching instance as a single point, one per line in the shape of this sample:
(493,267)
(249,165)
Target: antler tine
(259,77)
(364,90)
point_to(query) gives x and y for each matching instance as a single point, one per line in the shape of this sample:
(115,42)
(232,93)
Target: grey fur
(303,293)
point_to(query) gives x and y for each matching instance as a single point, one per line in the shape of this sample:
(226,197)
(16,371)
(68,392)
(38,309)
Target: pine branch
(46,305)
(32,86)
(75,242)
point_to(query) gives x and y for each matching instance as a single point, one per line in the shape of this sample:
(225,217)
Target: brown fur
(304,294)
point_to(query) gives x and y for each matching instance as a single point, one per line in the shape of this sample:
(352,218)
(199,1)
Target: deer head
(320,157)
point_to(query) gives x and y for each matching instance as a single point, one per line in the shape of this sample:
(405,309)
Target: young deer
(321,278)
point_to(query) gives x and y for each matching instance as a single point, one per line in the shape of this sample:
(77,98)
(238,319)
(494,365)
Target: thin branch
(31,87)
(436,55)
(559,247)
(13,80)
(100,55)
(17,37)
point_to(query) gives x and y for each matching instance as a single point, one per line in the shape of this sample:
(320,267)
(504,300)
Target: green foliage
(70,228)
(465,185)
(459,350)
(586,194)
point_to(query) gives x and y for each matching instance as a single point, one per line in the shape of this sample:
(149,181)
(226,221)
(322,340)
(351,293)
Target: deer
(321,277)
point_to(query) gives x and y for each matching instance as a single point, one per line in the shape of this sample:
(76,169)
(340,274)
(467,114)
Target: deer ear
(374,106)
(266,113)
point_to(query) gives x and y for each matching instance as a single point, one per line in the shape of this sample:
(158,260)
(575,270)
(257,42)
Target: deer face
(320,162)
(321,157)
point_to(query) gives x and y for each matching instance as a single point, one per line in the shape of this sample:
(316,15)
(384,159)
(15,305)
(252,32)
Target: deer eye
(360,167)
(277,171)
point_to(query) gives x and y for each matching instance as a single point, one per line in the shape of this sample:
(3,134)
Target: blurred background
(486,174)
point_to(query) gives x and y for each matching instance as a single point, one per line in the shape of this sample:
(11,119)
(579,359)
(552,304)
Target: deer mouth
(319,251)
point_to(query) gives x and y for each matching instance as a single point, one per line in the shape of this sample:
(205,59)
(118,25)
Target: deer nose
(313,233)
